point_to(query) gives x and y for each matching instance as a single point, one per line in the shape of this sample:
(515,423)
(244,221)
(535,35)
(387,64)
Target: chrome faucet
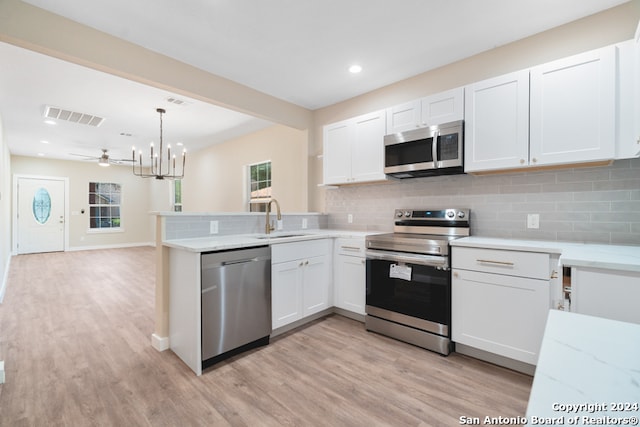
(267,226)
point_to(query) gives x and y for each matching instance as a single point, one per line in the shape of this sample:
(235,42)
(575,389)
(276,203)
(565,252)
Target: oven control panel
(433,215)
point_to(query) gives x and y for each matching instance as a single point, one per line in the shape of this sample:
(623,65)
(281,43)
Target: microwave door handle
(434,148)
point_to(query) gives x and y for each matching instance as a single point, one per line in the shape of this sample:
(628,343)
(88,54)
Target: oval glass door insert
(41,205)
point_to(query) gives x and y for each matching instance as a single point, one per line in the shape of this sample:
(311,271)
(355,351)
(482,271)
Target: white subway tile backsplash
(188,226)
(593,205)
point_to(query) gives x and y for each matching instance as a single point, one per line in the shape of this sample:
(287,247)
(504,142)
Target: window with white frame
(104,205)
(259,186)
(177,195)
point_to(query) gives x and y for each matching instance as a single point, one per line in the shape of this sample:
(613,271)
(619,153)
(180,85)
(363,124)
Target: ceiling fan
(104,159)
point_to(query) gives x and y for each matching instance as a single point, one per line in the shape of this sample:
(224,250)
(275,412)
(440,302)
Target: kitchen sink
(279,236)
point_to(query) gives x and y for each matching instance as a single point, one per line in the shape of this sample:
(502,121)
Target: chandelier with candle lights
(159,169)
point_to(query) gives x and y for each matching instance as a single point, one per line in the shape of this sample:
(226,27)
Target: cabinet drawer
(350,246)
(512,263)
(284,252)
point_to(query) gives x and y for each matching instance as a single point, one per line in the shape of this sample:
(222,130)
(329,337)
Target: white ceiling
(295,50)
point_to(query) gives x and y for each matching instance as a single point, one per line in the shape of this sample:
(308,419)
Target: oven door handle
(429,260)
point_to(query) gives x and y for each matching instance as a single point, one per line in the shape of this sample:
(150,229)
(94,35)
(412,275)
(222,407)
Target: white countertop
(234,241)
(614,257)
(588,361)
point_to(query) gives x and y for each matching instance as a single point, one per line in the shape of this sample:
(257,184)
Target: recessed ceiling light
(179,144)
(44,142)
(41,154)
(355,69)
(50,122)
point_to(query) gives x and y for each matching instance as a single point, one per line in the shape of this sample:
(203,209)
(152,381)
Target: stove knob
(460,214)
(450,214)
(399,214)
(407,214)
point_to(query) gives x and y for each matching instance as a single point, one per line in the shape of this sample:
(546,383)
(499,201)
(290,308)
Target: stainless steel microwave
(427,151)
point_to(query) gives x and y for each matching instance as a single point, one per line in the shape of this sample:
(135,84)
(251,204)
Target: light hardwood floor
(75,333)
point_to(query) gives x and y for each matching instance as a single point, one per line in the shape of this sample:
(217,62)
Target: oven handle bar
(429,260)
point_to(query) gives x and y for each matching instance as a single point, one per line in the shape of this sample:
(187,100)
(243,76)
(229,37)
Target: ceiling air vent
(177,101)
(72,116)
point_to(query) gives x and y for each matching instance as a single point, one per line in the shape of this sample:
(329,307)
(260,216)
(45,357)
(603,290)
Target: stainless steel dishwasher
(236,302)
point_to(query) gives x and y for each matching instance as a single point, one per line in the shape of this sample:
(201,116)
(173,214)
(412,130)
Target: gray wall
(591,205)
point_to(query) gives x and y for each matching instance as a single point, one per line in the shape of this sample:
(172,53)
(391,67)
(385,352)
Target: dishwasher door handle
(220,264)
(240,261)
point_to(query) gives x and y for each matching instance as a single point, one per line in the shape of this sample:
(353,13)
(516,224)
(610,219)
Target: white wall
(5,211)
(136,221)
(215,178)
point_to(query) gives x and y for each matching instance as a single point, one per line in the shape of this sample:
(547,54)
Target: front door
(41,215)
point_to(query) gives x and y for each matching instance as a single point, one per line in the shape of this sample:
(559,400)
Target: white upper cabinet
(573,109)
(627,145)
(443,107)
(354,150)
(562,112)
(497,123)
(436,109)
(337,139)
(637,91)
(404,117)
(367,162)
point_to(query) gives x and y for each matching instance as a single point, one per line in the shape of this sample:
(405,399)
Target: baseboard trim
(1,371)
(286,328)
(496,359)
(159,343)
(117,246)
(5,278)
(350,314)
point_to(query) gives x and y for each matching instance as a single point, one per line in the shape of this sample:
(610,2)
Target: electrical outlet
(533,221)
(350,218)
(304,223)
(213,227)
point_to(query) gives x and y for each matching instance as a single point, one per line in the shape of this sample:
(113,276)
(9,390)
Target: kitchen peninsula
(301,296)
(582,266)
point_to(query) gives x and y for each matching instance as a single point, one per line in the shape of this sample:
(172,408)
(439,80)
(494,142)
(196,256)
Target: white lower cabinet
(350,275)
(300,280)
(500,301)
(612,294)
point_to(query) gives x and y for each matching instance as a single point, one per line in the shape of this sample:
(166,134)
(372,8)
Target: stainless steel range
(409,277)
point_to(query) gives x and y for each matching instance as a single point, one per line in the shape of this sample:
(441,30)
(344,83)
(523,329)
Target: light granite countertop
(613,257)
(588,372)
(234,241)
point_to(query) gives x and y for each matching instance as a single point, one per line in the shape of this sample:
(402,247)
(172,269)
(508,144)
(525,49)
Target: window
(104,205)
(259,186)
(41,206)
(177,195)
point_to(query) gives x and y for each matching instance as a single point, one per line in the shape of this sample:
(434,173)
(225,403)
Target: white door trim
(14,225)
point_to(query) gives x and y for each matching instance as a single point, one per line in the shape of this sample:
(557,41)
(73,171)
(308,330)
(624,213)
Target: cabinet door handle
(352,248)
(488,261)
(434,148)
